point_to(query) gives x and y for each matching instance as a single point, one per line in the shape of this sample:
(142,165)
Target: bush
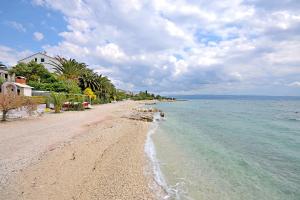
(67,86)
(58,100)
(10,101)
(74,106)
(39,99)
(96,101)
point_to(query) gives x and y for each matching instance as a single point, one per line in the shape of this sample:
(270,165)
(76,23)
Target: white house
(41,58)
(18,87)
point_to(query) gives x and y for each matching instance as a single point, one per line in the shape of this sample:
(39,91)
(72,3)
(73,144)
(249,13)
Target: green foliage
(58,100)
(89,79)
(67,86)
(121,95)
(85,78)
(75,98)
(1,81)
(143,96)
(69,69)
(96,101)
(73,77)
(33,72)
(148,96)
(72,86)
(39,99)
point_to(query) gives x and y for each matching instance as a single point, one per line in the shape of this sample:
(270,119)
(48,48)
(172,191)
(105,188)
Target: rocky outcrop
(144,114)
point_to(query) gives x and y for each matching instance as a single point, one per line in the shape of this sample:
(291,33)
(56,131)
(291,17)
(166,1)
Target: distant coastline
(233,97)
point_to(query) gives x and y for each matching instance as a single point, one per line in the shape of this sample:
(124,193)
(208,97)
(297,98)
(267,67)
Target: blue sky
(20,19)
(167,47)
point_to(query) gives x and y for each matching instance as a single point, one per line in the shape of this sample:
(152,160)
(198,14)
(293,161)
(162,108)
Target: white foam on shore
(151,153)
(170,192)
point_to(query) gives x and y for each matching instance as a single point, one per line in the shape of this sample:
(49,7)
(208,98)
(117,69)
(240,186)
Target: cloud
(193,46)
(294,84)
(38,36)
(15,25)
(10,56)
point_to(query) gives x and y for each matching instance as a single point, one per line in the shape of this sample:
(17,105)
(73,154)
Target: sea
(227,148)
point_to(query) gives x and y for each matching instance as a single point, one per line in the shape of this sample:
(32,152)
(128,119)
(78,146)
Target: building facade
(41,58)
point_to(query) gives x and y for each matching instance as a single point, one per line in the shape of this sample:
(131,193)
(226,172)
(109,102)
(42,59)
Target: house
(4,74)
(41,58)
(19,87)
(22,88)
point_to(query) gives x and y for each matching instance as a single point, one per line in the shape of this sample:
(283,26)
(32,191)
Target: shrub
(89,92)
(10,101)
(58,100)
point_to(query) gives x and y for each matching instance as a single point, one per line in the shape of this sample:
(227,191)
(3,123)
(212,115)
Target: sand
(95,154)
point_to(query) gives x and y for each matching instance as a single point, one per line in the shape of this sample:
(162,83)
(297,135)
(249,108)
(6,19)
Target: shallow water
(230,149)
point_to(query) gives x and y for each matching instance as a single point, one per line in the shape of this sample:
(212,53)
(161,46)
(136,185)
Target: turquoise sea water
(231,149)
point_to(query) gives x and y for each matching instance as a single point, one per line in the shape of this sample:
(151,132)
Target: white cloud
(38,36)
(10,56)
(180,67)
(294,84)
(110,52)
(196,45)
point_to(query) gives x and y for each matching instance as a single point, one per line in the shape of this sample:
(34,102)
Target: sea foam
(151,153)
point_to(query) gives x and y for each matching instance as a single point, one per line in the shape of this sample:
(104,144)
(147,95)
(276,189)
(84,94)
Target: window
(35,59)
(42,59)
(6,76)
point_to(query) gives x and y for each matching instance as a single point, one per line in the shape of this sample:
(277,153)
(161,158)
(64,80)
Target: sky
(249,47)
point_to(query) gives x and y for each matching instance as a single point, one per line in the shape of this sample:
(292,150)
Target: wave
(151,153)
(176,191)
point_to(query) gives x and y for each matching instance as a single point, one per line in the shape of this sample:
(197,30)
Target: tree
(89,79)
(10,101)
(58,100)
(89,92)
(33,71)
(68,69)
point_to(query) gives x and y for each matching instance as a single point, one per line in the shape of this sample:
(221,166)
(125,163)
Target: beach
(95,154)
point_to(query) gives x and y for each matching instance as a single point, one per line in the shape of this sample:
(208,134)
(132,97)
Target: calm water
(231,149)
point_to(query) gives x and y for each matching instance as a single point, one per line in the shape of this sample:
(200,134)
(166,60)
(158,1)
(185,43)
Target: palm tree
(69,69)
(85,77)
(107,89)
(89,79)
(58,100)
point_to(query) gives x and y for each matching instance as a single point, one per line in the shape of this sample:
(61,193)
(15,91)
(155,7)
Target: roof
(22,85)
(37,54)
(21,77)
(4,68)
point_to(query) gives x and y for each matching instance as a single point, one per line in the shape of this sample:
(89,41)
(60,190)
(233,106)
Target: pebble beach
(96,154)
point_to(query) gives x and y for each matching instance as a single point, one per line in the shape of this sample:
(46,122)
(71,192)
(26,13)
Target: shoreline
(116,167)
